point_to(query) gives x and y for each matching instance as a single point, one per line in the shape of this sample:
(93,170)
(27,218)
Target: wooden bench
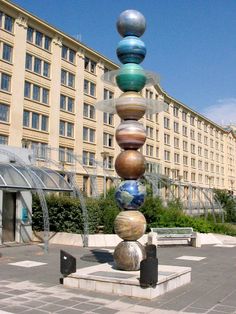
(176,233)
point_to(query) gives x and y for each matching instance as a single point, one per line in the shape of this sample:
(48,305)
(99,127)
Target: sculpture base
(104,278)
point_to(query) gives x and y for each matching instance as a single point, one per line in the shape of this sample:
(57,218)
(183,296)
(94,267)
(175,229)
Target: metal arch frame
(39,191)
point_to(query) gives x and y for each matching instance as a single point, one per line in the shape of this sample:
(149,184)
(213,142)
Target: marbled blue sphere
(131,49)
(131,23)
(131,77)
(130,194)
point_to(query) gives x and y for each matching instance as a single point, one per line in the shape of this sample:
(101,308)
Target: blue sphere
(130,194)
(131,49)
(131,23)
(131,77)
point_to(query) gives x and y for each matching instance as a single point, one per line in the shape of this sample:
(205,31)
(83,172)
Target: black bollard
(149,268)
(68,263)
(151,250)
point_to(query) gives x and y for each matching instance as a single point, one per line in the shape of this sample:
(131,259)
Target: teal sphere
(131,77)
(131,49)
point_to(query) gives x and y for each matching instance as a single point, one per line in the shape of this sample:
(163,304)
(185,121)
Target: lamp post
(104,165)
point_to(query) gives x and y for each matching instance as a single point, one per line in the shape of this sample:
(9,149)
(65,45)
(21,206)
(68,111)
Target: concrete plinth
(106,279)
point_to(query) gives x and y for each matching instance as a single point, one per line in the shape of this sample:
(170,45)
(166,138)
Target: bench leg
(196,241)
(152,238)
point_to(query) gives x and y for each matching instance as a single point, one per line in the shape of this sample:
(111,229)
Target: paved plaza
(29,282)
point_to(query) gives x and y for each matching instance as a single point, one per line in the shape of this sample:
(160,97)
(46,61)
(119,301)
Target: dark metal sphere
(128,255)
(130,164)
(131,23)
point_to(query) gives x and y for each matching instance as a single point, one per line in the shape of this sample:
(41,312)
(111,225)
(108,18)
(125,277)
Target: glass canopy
(15,176)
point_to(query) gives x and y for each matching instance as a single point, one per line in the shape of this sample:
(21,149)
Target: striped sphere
(130,134)
(130,164)
(131,49)
(130,106)
(131,77)
(130,225)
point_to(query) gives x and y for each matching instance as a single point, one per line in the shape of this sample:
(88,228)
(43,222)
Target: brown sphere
(128,255)
(131,106)
(130,164)
(130,225)
(130,134)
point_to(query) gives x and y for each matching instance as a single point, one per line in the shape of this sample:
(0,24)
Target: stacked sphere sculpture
(130,224)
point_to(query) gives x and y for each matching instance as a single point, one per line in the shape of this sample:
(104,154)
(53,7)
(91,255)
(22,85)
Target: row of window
(35,121)
(36,93)
(37,65)
(39,39)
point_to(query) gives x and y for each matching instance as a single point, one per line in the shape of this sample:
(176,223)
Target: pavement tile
(49,299)
(140,309)
(192,309)
(68,303)
(36,311)
(17,292)
(224,308)
(105,310)
(118,305)
(16,309)
(34,303)
(79,299)
(51,307)
(70,311)
(4,295)
(85,306)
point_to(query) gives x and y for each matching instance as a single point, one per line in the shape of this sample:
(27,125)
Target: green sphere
(131,77)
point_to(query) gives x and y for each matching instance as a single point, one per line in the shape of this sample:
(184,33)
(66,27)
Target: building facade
(49,85)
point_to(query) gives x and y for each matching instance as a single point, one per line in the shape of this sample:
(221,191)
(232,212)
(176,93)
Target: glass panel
(26,117)
(47,43)
(30,32)
(28,62)
(37,65)
(5,82)
(8,23)
(4,113)
(7,52)
(60,181)
(27,89)
(47,181)
(39,39)
(12,177)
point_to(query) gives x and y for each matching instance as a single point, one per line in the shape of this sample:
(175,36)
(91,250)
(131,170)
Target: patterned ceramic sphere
(130,225)
(128,255)
(131,49)
(130,134)
(130,164)
(131,77)
(130,194)
(130,106)
(131,23)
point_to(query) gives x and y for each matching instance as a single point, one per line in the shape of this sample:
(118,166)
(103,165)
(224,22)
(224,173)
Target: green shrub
(228,203)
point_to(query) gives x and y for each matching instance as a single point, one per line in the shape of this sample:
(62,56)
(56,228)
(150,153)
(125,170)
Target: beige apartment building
(49,85)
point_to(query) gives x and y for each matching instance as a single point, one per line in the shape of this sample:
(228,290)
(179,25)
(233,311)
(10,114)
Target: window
(206,153)
(185,146)
(199,151)
(149,150)
(88,135)
(193,177)
(36,92)
(192,120)
(176,127)
(47,43)
(192,134)
(66,154)
(89,111)
(5,82)
(206,166)
(67,78)
(66,128)
(7,53)
(199,124)
(108,140)
(40,149)
(205,140)
(192,148)
(166,123)
(184,116)
(108,118)
(167,171)
(4,112)
(185,160)
(37,65)
(90,65)
(199,137)
(35,120)
(68,54)
(185,131)
(176,158)
(44,123)
(149,131)
(107,94)
(26,118)
(108,162)
(167,139)
(185,175)
(176,142)
(176,111)
(166,155)
(30,34)
(88,158)
(66,103)
(193,162)
(39,39)
(3,139)
(89,88)
(8,25)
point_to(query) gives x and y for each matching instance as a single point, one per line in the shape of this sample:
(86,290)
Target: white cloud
(223,112)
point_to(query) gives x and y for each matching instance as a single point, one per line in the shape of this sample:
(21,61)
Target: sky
(191,44)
